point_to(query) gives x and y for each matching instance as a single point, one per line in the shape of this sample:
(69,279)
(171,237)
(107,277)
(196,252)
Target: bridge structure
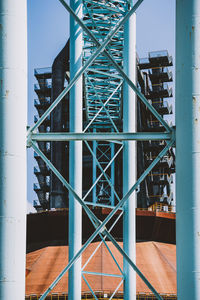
(103,68)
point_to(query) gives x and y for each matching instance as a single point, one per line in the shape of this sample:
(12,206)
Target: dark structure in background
(153,75)
(59,123)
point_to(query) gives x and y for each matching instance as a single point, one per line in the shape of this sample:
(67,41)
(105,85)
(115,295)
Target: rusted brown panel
(145,213)
(156,260)
(166,215)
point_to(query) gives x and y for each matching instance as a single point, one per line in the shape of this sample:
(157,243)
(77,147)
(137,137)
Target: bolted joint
(103,231)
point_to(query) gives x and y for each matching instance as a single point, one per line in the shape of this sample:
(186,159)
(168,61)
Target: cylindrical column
(188,148)
(94,171)
(75,154)
(112,175)
(129,157)
(13,110)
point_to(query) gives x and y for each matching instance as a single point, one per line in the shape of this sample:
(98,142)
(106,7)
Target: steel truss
(103,78)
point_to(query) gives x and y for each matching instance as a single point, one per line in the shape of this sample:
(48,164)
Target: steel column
(129,158)
(100,136)
(112,175)
(188,148)
(75,154)
(94,171)
(13,110)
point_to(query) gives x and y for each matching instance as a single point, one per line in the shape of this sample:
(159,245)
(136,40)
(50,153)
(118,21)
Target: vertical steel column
(94,171)
(13,110)
(112,174)
(75,154)
(129,157)
(188,148)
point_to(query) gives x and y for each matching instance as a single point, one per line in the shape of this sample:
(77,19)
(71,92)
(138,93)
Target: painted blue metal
(13,120)
(115,222)
(133,266)
(75,154)
(112,196)
(94,170)
(188,148)
(65,183)
(103,98)
(116,65)
(129,159)
(101,108)
(101,136)
(89,62)
(101,228)
(103,171)
(113,294)
(99,86)
(89,287)
(102,274)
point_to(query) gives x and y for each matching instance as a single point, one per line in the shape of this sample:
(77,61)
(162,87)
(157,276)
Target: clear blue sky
(48,30)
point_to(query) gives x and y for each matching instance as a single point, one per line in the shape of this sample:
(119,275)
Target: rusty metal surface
(156,260)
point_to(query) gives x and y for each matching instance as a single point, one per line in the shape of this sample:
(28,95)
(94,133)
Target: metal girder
(100,136)
(103,171)
(101,228)
(97,136)
(87,64)
(118,68)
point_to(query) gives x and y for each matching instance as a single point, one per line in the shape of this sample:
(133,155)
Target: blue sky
(48,30)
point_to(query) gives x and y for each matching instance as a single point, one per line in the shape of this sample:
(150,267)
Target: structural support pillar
(94,171)
(129,158)
(112,175)
(75,154)
(13,111)
(188,148)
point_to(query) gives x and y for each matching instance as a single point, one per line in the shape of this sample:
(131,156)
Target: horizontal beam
(101,205)
(102,274)
(101,228)
(116,65)
(99,136)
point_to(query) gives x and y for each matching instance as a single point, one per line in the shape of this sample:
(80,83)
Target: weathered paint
(188,148)
(129,159)
(13,110)
(75,153)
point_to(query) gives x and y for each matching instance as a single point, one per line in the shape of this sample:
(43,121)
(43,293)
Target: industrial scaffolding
(88,29)
(153,73)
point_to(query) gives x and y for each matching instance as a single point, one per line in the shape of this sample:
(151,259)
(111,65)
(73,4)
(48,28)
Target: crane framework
(104,31)
(105,73)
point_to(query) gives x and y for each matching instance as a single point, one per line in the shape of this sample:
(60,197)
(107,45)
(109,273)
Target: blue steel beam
(75,153)
(101,48)
(101,227)
(65,183)
(104,84)
(89,287)
(113,294)
(106,102)
(133,266)
(123,74)
(100,243)
(188,148)
(94,171)
(161,122)
(102,274)
(101,136)
(110,163)
(102,171)
(129,158)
